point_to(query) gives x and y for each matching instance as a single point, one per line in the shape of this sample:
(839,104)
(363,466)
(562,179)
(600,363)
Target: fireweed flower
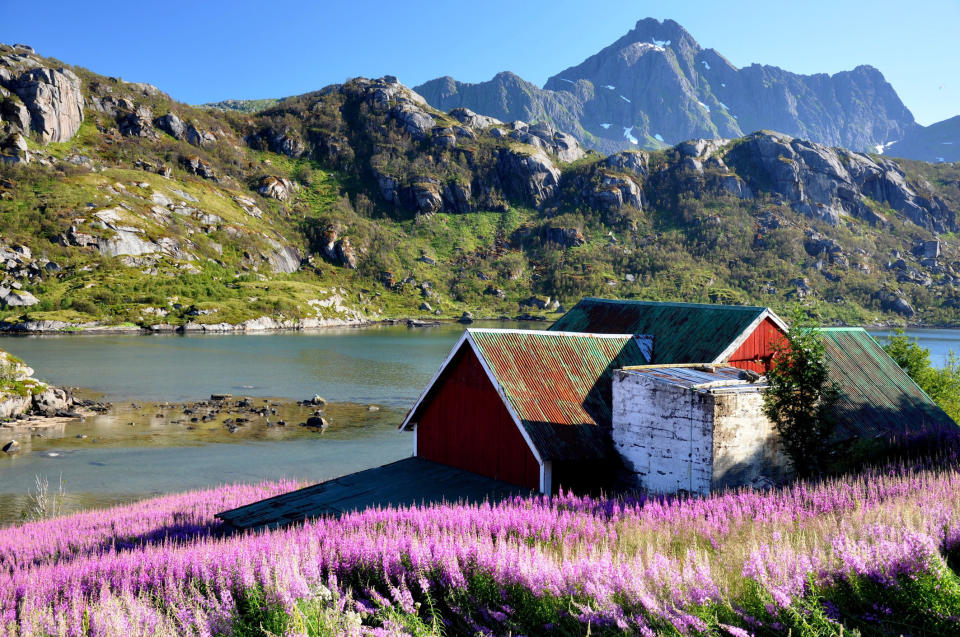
(162,567)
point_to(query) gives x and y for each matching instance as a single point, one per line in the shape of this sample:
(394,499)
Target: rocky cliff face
(936,143)
(422,160)
(35,99)
(830,183)
(656,86)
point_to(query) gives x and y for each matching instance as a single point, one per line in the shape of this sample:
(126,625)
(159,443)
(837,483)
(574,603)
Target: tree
(800,396)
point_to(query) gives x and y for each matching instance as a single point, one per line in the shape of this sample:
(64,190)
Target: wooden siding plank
(466,425)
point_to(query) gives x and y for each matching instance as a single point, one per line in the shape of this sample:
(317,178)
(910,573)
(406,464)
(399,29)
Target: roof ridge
(505,330)
(674,303)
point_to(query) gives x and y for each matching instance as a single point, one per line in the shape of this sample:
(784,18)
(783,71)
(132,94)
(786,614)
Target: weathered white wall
(745,450)
(664,434)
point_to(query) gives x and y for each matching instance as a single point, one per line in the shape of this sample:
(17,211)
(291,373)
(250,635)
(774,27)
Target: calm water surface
(131,453)
(940,342)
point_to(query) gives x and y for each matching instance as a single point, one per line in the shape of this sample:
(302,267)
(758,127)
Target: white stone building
(693,428)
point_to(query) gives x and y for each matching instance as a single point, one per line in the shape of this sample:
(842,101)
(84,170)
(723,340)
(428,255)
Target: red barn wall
(756,352)
(465,424)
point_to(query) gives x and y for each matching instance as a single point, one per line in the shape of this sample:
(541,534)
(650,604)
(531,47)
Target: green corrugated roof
(682,332)
(877,398)
(559,385)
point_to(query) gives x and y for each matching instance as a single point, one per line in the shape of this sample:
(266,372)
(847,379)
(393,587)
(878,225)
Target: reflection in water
(132,452)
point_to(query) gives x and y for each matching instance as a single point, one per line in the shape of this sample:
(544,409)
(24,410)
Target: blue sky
(207,51)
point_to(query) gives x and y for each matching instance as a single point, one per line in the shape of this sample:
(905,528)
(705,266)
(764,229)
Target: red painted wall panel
(466,425)
(756,352)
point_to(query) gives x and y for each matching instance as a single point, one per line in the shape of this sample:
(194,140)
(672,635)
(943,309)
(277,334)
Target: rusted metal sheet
(877,398)
(403,483)
(558,385)
(720,379)
(682,332)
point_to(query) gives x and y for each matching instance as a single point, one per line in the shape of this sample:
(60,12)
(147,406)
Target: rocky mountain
(120,206)
(656,86)
(936,143)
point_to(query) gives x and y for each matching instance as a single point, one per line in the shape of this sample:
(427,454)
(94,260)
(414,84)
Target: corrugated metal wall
(757,347)
(466,425)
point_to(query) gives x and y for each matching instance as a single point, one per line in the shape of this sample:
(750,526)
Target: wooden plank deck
(402,483)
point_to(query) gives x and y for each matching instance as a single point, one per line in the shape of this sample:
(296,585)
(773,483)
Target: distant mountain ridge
(656,86)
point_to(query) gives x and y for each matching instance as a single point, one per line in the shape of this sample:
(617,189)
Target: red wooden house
(526,407)
(738,335)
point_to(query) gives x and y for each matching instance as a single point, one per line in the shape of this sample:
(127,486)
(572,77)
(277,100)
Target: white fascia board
(423,395)
(741,339)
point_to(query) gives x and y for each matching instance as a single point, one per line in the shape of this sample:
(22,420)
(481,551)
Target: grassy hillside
(341,205)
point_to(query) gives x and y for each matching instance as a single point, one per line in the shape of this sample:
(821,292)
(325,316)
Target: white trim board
(426,390)
(750,329)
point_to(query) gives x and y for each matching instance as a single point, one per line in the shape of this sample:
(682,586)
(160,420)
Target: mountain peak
(666,33)
(656,85)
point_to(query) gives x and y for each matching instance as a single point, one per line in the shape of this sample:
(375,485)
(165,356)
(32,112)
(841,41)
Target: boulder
(634,162)
(567,237)
(54,100)
(138,124)
(193,164)
(16,112)
(531,176)
(468,117)
(197,137)
(126,243)
(51,401)
(11,447)
(283,258)
(614,192)
(465,318)
(172,125)
(413,119)
(536,302)
(346,254)
(893,302)
(426,194)
(457,196)
(17,298)
(278,188)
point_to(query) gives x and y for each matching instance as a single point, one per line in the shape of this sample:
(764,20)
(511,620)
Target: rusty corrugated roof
(877,398)
(558,384)
(682,332)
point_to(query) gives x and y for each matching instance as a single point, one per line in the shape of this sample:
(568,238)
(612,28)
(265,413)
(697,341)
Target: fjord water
(128,454)
(387,365)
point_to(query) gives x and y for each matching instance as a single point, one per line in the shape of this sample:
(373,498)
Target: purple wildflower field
(875,553)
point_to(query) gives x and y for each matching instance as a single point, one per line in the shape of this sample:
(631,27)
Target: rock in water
(317,421)
(52,402)
(11,447)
